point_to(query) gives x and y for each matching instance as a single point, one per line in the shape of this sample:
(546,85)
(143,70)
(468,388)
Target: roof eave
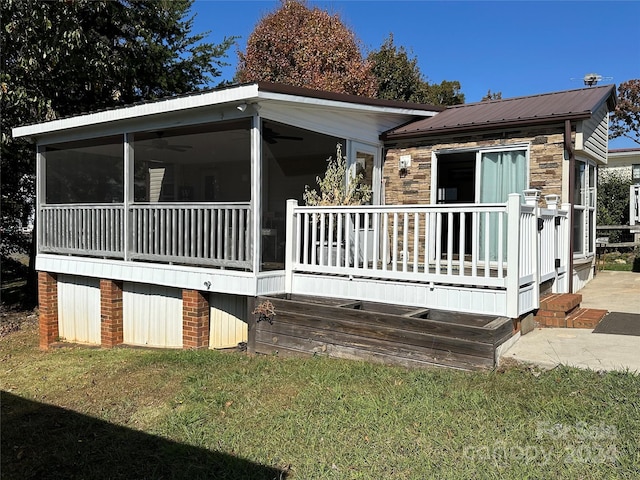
(386,136)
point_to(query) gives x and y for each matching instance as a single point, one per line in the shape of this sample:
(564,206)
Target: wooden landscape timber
(370,331)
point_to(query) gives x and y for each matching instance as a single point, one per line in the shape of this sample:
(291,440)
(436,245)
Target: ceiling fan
(162,143)
(271,136)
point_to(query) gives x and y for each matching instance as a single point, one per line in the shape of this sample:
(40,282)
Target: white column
(256,194)
(513,255)
(41,181)
(128,191)
(290,244)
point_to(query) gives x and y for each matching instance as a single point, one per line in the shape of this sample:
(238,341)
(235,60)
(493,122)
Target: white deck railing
(85,229)
(504,246)
(204,234)
(446,243)
(215,234)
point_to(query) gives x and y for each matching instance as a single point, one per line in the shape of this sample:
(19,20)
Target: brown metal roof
(521,111)
(343,97)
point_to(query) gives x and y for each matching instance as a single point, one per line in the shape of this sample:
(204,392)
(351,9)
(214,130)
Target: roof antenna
(591,79)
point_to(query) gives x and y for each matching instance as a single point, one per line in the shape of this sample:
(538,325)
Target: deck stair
(563,311)
(393,334)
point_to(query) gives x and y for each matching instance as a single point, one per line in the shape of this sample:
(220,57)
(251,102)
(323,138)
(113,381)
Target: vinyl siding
(79,309)
(152,315)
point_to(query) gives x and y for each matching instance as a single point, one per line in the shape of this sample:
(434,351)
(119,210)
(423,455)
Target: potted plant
(339,186)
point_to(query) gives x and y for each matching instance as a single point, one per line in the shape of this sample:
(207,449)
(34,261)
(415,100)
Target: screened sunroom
(195,182)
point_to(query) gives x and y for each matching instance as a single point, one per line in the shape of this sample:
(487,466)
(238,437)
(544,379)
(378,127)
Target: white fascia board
(343,105)
(243,93)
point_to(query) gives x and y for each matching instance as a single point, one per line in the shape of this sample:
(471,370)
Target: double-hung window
(584,211)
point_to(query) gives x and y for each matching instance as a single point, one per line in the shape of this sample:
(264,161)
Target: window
(198,163)
(486,175)
(584,201)
(88,171)
(635,173)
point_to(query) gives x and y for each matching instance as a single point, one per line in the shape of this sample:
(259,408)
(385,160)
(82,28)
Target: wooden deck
(370,331)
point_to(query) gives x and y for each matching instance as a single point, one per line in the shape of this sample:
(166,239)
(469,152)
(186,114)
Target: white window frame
(478,152)
(588,199)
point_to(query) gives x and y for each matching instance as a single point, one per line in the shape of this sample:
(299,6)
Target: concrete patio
(549,347)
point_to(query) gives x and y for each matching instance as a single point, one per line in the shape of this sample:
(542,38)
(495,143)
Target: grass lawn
(621,261)
(79,412)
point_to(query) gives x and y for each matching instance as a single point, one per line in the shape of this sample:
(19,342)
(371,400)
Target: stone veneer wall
(546,155)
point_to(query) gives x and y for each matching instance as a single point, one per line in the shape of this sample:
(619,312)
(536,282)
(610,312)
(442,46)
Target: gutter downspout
(572,186)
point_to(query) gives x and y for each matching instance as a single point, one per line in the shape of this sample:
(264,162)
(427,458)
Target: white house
(161,223)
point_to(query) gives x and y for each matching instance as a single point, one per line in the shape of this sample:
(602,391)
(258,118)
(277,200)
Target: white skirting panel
(527,298)
(177,276)
(228,320)
(444,297)
(270,283)
(79,309)
(152,315)
(582,274)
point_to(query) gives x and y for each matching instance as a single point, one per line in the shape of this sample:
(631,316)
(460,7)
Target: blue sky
(515,47)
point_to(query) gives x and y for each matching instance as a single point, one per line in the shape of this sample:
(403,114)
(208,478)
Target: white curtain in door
(501,173)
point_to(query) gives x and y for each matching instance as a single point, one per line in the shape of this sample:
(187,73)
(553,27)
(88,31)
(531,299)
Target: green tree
(65,57)
(399,78)
(446,92)
(398,75)
(626,118)
(491,96)
(613,200)
(305,47)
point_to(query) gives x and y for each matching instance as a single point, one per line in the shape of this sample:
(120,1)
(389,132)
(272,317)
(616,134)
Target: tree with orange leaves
(306,47)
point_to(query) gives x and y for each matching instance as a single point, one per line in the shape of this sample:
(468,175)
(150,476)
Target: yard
(79,412)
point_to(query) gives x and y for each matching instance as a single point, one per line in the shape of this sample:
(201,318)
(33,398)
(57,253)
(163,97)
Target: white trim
(288,98)
(41,174)
(240,94)
(355,146)
(479,151)
(256,191)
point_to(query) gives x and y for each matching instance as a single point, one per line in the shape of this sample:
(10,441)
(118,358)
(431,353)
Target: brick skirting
(195,320)
(48,308)
(111,316)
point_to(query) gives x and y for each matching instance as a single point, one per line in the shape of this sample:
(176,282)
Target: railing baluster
(394,266)
(305,248)
(487,241)
(438,242)
(376,241)
(500,259)
(416,240)
(322,239)
(314,237)
(405,241)
(339,240)
(450,229)
(385,244)
(462,244)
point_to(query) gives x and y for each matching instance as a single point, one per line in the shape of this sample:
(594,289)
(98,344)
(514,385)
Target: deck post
(111,313)
(195,319)
(48,304)
(566,248)
(128,194)
(289,246)
(513,255)
(531,197)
